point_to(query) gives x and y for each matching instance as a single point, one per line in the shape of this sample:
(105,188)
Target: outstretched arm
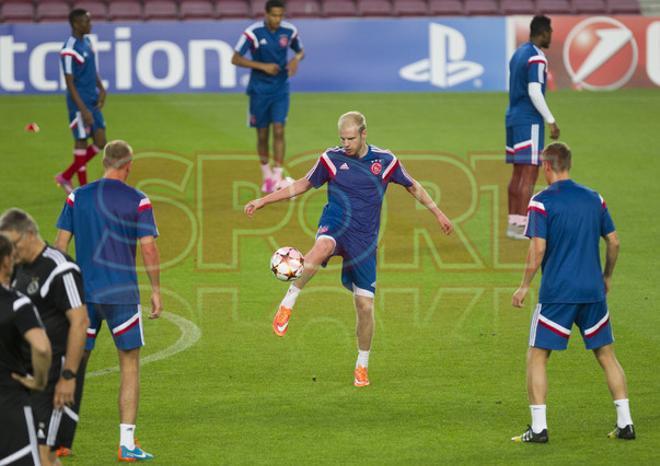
(298,187)
(535,256)
(419,193)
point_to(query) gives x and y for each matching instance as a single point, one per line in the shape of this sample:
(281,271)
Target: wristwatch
(68,374)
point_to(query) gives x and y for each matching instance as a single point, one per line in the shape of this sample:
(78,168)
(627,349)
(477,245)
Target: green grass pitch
(447,365)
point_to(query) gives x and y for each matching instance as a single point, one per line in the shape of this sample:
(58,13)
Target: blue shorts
(124,320)
(551,325)
(77,125)
(358,272)
(267,109)
(524,144)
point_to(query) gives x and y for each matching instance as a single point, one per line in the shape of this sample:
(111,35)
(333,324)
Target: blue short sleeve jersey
(571,218)
(528,64)
(79,60)
(107,218)
(268,46)
(356,187)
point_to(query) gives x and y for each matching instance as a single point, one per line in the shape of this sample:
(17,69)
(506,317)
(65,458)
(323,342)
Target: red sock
(82,175)
(79,156)
(91,152)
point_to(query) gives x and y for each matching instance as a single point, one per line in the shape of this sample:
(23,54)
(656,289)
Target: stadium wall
(344,55)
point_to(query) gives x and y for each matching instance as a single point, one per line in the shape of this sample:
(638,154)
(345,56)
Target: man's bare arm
(63,239)
(535,255)
(422,196)
(298,187)
(611,254)
(151,259)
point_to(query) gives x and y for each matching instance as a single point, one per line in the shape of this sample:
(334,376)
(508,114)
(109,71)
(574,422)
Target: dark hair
(19,221)
(539,25)
(270,4)
(6,248)
(77,13)
(558,155)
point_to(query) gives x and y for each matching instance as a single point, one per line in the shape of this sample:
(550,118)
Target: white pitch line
(190,334)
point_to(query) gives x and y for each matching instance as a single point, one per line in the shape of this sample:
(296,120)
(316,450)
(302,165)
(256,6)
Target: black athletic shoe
(627,433)
(530,436)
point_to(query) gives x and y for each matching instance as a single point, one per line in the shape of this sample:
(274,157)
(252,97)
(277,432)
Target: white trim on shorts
(71,413)
(534,324)
(80,123)
(357,291)
(54,427)
(140,324)
(31,447)
(535,144)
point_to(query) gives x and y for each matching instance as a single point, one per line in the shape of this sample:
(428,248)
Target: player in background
(268,42)
(528,71)
(19,324)
(52,282)
(85,97)
(357,175)
(108,218)
(566,222)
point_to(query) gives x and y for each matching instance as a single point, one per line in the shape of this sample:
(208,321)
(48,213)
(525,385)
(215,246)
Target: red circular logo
(284,41)
(376,168)
(600,53)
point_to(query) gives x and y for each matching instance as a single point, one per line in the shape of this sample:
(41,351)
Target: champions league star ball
(287,264)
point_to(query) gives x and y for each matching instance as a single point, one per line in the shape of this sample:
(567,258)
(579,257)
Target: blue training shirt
(79,59)
(107,218)
(268,46)
(571,218)
(528,64)
(356,187)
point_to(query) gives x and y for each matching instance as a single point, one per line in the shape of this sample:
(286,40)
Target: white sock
(126,435)
(362,359)
(277,173)
(623,417)
(538,418)
(265,171)
(290,298)
(517,220)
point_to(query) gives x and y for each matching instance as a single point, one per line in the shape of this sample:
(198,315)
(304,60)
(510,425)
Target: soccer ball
(287,264)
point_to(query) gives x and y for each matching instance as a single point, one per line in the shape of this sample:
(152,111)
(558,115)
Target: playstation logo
(445,66)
